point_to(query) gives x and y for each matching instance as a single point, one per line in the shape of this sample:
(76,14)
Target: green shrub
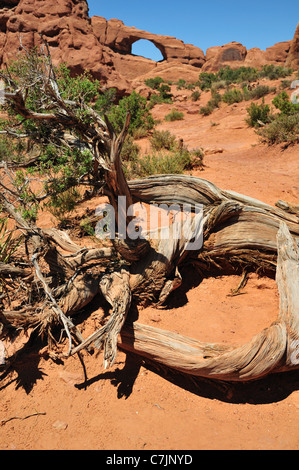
(11,149)
(219,85)
(140,114)
(165,93)
(197,156)
(232,96)
(258,115)
(164,96)
(260,91)
(106,101)
(8,243)
(195,95)
(162,140)
(283,103)
(283,129)
(139,133)
(181,84)
(82,87)
(273,72)
(163,163)
(174,115)
(285,84)
(154,83)
(130,150)
(212,104)
(63,204)
(230,76)
(238,75)
(206,79)
(206,110)
(215,100)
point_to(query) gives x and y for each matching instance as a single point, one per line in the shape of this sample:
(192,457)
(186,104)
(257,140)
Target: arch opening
(147,49)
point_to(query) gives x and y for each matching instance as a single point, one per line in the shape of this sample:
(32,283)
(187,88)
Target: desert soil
(139,406)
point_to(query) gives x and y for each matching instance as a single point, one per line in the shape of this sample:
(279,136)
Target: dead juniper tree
(238,233)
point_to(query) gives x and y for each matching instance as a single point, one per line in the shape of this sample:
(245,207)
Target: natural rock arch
(120,38)
(149,43)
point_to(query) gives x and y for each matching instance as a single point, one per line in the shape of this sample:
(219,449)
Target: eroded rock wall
(105,47)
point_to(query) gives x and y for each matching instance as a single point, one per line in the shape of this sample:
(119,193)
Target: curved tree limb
(275,349)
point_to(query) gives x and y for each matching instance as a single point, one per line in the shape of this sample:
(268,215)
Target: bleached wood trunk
(275,349)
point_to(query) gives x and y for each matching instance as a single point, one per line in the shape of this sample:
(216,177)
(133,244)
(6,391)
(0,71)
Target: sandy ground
(138,406)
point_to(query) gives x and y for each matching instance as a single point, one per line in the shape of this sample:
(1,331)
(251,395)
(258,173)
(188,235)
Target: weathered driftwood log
(233,232)
(243,235)
(286,206)
(235,229)
(275,349)
(237,232)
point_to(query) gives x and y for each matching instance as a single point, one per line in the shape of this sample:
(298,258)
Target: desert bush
(174,115)
(162,140)
(63,204)
(259,114)
(256,93)
(165,93)
(232,96)
(195,95)
(164,96)
(231,76)
(181,84)
(8,243)
(140,114)
(106,101)
(206,110)
(283,129)
(215,100)
(12,149)
(159,163)
(154,99)
(212,104)
(284,104)
(219,85)
(274,72)
(140,133)
(285,84)
(238,75)
(197,158)
(82,87)
(206,79)
(154,83)
(130,150)
(260,91)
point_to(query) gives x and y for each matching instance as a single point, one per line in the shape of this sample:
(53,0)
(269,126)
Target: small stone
(60,425)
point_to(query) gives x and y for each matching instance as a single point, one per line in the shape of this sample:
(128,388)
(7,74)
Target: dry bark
(275,349)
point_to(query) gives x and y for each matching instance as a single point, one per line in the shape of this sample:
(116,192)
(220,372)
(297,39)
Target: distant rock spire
(293,57)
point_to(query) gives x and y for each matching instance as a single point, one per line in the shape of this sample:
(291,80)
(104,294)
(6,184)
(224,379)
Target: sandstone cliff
(105,47)
(293,57)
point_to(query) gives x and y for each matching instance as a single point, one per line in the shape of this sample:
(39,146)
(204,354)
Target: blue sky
(254,23)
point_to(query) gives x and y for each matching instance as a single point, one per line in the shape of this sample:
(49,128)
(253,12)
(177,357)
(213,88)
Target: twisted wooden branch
(275,349)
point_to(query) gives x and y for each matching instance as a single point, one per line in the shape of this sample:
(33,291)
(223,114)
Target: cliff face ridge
(105,47)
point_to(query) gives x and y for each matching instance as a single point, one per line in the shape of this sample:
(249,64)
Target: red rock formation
(100,46)
(236,55)
(120,38)
(293,57)
(105,47)
(232,54)
(65,25)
